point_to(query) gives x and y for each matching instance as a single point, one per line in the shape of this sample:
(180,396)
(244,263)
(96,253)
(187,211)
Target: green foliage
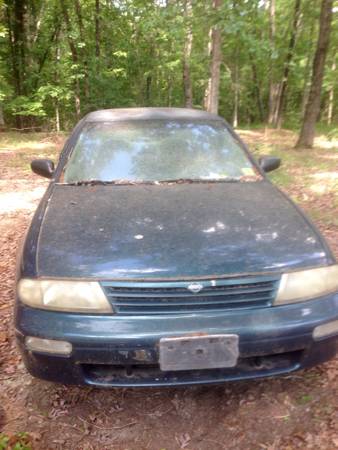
(140,45)
(19,441)
(26,106)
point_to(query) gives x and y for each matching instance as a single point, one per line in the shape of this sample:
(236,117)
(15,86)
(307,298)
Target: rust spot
(196,334)
(141,355)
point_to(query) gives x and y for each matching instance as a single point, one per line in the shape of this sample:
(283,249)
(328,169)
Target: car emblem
(195,287)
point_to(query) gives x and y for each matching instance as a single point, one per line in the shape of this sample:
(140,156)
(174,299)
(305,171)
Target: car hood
(177,230)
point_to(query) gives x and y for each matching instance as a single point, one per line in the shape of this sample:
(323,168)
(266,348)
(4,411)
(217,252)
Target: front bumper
(123,351)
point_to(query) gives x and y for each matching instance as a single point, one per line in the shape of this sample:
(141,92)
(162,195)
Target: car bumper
(123,351)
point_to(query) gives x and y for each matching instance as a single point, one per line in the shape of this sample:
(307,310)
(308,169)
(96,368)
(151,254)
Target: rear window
(156,150)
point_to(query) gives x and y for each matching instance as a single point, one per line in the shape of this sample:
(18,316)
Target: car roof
(108,115)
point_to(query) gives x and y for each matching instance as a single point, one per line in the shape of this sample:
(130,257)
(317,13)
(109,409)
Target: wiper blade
(121,182)
(106,183)
(87,182)
(200,180)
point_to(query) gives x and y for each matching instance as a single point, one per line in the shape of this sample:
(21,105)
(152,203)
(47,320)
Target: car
(162,255)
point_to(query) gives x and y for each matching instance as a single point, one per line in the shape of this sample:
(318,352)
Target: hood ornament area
(195,288)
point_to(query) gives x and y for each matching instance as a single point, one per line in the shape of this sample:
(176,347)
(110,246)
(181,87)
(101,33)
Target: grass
(14,140)
(329,131)
(298,166)
(18,149)
(304,399)
(309,176)
(18,441)
(317,215)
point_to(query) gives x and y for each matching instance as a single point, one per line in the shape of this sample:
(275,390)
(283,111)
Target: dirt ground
(299,411)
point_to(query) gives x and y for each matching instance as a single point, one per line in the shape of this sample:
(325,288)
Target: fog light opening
(52,346)
(326,330)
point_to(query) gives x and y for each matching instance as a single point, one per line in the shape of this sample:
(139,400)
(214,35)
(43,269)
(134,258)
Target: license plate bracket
(199,352)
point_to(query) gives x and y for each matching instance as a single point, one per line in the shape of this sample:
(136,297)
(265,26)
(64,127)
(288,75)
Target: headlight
(307,284)
(64,295)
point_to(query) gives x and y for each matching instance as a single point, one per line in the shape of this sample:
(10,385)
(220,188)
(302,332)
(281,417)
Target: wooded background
(253,61)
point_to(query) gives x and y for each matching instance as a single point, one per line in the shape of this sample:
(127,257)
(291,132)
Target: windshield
(156,150)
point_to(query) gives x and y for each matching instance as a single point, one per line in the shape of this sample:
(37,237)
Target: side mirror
(43,167)
(269,163)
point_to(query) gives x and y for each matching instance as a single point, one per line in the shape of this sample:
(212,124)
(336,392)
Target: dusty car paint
(185,230)
(173,233)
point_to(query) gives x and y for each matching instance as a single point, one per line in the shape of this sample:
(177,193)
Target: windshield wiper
(121,182)
(239,179)
(106,183)
(199,180)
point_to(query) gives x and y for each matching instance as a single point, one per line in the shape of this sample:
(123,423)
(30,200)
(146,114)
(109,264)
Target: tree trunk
(57,116)
(169,91)
(307,133)
(71,42)
(211,97)
(307,76)
(15,68)
(236,96)
(2,120)
(305,95)
(19,39)
(83,49)
(49,46)
(285,79)
(75,56)
(97,28)
(57,81)
(331,98)
(79,18)
(15,11)
(188,96)
(273,87)
(148,90)
(257,88)
(38,23)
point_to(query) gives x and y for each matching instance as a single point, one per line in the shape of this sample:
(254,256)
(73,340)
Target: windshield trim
(243,179)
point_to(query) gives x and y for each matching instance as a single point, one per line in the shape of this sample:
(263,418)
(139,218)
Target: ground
(291,412)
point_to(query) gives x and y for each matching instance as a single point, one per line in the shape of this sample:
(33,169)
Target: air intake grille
(144,298)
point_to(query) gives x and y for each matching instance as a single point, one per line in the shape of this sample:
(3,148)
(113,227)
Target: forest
(269,67)
(254,62)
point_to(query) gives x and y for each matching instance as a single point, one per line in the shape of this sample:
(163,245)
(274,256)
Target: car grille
(143,298)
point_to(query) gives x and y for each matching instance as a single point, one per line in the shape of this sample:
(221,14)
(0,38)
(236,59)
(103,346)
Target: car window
(156,150)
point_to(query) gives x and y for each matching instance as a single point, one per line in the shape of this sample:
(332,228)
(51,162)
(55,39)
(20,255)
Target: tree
(273,86)
(211,97)
(60,59)
(15,12)
(83,44)
(307,133)
(331,95)
(284,84)
(2,120)
(97,29)
(75,56)
(188,98)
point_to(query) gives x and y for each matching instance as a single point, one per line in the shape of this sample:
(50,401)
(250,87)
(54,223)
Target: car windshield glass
(156,150)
